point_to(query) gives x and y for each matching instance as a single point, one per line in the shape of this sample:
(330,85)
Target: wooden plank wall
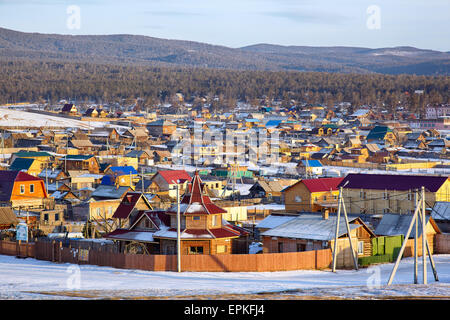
(53,251)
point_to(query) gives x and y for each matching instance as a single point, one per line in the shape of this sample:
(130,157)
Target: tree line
(107,83)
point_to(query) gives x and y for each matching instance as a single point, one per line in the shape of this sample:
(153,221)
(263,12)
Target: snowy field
(34,279)
(17,118)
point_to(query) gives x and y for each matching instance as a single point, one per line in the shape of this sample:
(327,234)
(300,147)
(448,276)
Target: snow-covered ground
(31,279)
(18,118)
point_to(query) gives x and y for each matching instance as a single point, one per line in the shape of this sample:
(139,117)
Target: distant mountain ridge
(150,51)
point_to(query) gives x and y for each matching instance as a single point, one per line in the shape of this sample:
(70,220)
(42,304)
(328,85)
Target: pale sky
(236,23)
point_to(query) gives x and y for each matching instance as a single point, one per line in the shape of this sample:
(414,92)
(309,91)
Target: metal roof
(397,224)
(312,227)
(441,210)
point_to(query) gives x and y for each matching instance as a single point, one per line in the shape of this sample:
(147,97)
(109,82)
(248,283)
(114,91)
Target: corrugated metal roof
(397,224)
(7,216)
(274,221)
(441,210)
(312,227)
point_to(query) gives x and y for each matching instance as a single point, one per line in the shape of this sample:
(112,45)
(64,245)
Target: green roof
(24,154)
(21,164)
(76,157)
(378,133)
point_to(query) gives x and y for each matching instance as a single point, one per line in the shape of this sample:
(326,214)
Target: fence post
(18,248)
(53,250)
(60,251)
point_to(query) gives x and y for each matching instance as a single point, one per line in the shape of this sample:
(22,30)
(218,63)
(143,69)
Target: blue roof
(107,180)
(273,123)
(312,163)
(123,170)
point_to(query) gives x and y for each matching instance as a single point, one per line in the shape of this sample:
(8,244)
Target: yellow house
(29,165)
(384,193)
(312,194)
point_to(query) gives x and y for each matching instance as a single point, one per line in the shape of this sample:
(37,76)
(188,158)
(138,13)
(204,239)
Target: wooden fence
(55,252)
(442,243)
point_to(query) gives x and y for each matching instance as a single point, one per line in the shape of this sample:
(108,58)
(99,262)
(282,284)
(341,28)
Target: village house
(69,109)
(41,156)
(7,218)
(271,190)
(165,182)
(395,224)
(312,195)
(80,162)
(161,127)
(308,168)
(28,165)
(143,157)
(384,193)
(21,190)
(315,231)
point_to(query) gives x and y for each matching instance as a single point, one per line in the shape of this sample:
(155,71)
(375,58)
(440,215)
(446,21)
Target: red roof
(224,232)
(22,176)
(127,205)
(322,184)
(195,201)
(171,176)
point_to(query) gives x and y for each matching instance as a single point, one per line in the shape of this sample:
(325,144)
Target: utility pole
(341,206)
(178,230)
(418,217)
(424,238)
(416,194)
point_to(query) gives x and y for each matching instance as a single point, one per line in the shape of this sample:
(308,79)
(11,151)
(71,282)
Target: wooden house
(7,218)
(384,193)
(28,165)
(162,157)
(161,127)
(395,224)
(312,195)
(85,146)
(81,162)
(21,190)
(166,181)
(69,109)
(143,157)
(203,230)
(310,231)
(271,190)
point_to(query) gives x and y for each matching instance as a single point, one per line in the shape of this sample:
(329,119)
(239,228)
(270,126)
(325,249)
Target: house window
(195,250)
(214,221)
(385,195)
(386,210)
(301,247)
(324,198)
(221,248)
(46,217)
(196,218)
(22,189)
(362,194)
(298,199)
(280,246)
(56,216)
(361,247)
(31,188)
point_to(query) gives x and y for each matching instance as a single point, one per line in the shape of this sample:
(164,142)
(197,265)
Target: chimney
(325,214)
